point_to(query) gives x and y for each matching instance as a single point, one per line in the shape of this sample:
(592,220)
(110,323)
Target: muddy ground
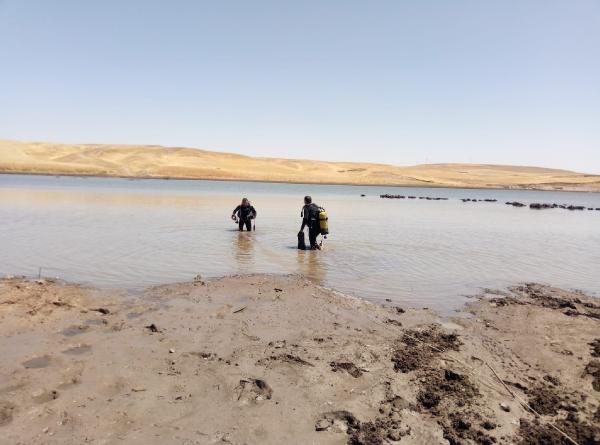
(278,360)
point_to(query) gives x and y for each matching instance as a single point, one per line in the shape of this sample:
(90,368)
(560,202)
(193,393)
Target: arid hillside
(150,161)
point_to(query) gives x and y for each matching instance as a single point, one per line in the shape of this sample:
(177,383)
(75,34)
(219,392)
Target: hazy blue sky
(515,82)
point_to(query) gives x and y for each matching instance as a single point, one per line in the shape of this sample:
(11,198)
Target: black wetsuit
(245,216)
(310,218)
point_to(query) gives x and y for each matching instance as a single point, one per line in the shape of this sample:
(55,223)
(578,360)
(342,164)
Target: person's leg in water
(247,223)
(313,232)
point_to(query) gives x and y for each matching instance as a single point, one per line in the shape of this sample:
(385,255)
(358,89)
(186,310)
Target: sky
(400,82)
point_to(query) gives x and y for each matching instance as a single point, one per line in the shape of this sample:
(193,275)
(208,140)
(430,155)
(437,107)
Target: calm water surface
(124,233)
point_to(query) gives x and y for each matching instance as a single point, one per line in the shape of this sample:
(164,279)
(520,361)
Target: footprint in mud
(95,322)
(74,330)
(77,350)
(37,362)
(254,390)
(132,315)
(6,412)
(338,422)
(69,382)
(209,356)
(44,396)
(284,358)
(350,368)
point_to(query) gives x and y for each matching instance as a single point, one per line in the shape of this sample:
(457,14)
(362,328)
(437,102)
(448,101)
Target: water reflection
(243,248)
(313,264)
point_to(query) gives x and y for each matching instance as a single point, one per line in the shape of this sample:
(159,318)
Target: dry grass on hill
(150,161)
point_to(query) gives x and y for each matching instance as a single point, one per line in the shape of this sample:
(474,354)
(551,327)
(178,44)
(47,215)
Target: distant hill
(150,161)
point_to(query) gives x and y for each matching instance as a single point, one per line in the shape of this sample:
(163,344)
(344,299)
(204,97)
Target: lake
(111,232)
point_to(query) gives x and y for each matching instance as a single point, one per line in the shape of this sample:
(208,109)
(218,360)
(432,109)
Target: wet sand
(268,359)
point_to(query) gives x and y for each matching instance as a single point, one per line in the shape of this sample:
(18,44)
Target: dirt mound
(545,399)
(417,348)
(593,369)
(543,297)
(381,430)
(443,393)
(444,388)
(459,427)
(378,432)
(595,348)
(449,397)
(547,297)
(536,433)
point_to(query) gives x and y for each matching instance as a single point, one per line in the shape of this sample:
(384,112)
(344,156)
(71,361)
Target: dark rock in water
(411,197)
(515,204)
(389,196)
(572,207)
(598,209)
(538,206)
(490,200)
(363,195)
(590,208)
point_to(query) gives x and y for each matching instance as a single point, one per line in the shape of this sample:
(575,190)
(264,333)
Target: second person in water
(245,213)
(310,217)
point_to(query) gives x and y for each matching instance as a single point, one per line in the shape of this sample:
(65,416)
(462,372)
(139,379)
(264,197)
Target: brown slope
(177,162)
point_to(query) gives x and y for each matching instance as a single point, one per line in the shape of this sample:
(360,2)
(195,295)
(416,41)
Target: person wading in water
(310,218)
(245,213)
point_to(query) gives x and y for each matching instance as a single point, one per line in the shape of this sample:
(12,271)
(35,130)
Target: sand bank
(151,161)
(277,360)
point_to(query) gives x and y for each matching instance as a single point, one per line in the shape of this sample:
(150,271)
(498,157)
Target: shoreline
(276,359)
(575,188)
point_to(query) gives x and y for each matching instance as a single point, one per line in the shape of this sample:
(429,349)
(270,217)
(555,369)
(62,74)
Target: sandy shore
(151,161)
(278,360)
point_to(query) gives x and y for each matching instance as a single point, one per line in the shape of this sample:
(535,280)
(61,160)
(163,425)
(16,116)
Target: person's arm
(253,210)
(304,218)
(235,211)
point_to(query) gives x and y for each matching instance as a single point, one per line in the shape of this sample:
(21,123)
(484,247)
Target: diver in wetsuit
(245,213)
(310,218)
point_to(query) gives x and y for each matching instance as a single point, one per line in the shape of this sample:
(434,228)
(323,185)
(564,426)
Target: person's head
(307,200)
(245,202)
